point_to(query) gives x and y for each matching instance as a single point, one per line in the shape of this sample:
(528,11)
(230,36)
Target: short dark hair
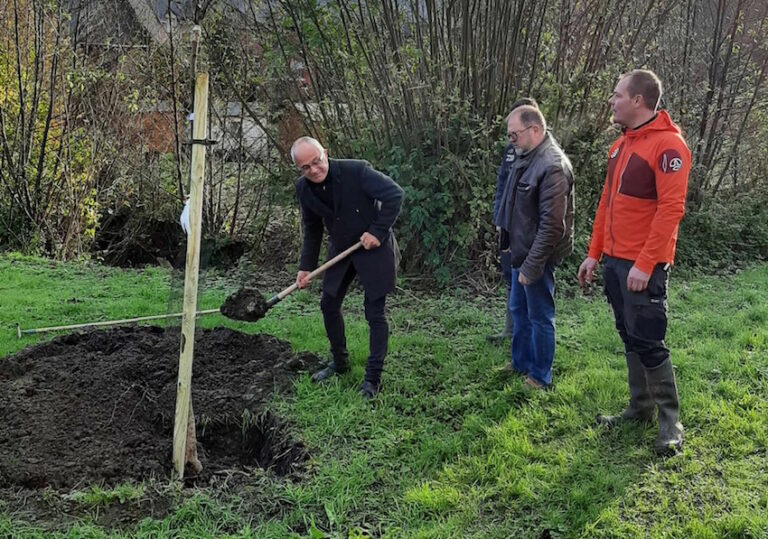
(530,115)
(647,84)
(522,102)
(529,101)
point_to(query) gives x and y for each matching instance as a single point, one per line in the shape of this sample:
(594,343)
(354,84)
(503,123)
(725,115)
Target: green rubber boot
(661,381)
(505,334)
(641,403)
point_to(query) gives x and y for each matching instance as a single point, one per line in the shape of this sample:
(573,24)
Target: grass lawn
(451,448)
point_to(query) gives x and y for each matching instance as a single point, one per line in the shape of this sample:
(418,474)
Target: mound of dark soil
(99,407)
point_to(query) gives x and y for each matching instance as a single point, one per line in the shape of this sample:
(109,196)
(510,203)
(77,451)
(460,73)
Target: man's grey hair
(530,116)
(304,140)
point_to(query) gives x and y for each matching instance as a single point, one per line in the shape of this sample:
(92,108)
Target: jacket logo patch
(670,161)
(615,153)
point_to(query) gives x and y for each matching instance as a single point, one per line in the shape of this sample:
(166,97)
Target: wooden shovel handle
(321,269)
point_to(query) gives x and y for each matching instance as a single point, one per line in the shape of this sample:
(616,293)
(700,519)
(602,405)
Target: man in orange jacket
(635,232)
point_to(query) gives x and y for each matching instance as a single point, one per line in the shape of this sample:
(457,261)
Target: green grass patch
(451,448)
(97,495)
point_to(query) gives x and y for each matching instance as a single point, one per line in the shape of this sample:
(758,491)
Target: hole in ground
(253,441)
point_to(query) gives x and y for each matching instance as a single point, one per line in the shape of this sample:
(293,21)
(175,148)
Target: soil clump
(246,304)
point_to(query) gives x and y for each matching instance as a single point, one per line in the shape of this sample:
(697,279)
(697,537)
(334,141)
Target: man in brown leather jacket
(536,221)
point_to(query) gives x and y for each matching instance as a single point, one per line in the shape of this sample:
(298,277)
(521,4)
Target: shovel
(248,305)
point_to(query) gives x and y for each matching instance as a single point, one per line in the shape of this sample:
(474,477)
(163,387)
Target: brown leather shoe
(533,384)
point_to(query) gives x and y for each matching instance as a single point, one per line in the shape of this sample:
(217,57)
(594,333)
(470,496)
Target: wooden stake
(184,386)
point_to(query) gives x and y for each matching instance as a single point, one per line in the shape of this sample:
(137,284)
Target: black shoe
(368,390)
(331,370)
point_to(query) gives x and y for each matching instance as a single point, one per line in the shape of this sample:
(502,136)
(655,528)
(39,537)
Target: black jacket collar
(334,175)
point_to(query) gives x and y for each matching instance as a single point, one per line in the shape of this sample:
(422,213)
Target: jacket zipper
(517,177)
(624,154)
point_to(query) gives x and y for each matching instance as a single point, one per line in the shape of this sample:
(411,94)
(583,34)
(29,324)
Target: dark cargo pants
(641,317)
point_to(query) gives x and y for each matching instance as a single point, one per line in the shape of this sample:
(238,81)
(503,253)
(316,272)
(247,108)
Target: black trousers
(377,323)
(641,317)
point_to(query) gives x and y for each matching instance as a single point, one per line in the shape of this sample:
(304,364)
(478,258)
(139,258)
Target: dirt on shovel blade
(247,304)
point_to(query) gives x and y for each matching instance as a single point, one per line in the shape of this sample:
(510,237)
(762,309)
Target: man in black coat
(352,201)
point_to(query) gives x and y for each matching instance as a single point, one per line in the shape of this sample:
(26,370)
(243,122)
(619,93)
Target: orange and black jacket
(643,198)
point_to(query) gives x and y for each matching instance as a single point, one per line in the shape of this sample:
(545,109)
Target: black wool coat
(364,200)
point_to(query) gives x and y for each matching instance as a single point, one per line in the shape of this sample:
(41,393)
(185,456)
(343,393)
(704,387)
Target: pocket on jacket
(638,179)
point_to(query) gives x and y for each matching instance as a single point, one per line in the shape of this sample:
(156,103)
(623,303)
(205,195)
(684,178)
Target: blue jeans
(533,337)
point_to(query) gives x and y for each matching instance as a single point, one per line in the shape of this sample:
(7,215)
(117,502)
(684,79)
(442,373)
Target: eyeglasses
(317,161)
(514,134)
